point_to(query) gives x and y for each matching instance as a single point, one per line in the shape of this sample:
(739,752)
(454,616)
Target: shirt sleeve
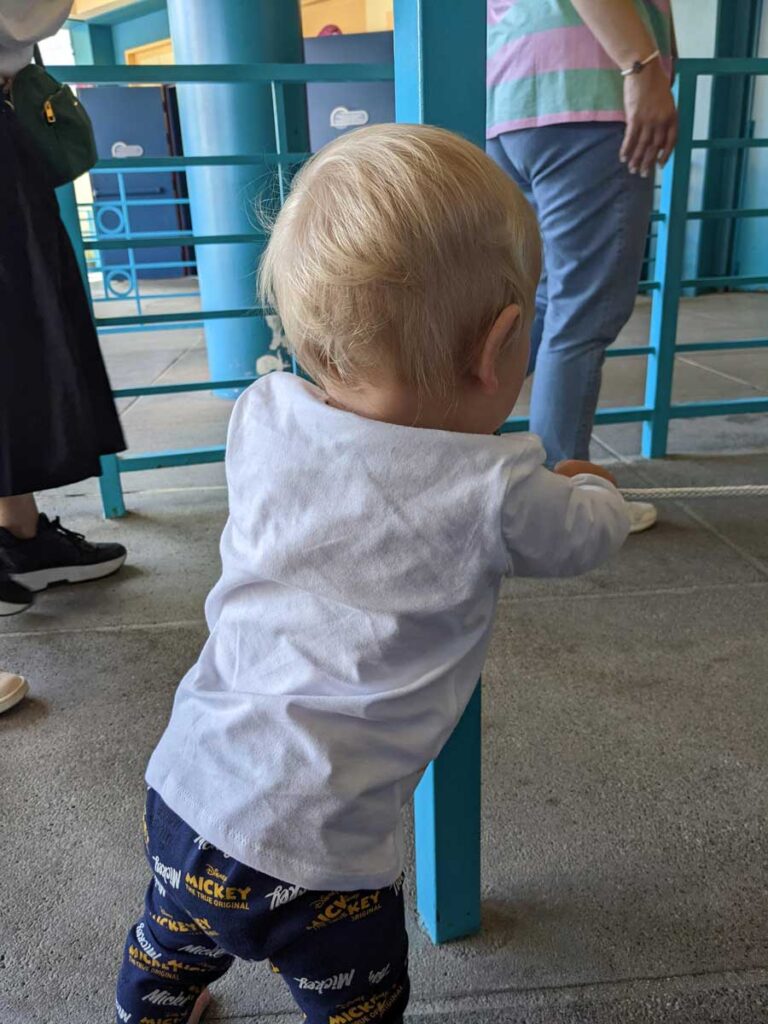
(560,526)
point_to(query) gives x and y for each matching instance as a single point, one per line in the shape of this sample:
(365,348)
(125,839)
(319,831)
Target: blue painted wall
(138,32)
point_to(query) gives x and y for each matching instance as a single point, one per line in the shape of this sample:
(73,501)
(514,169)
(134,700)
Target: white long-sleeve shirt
(361,565)
(24,23)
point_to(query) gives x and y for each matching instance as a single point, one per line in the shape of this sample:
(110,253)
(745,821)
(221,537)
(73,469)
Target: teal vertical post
(447,825)
(440,54)
(670,250)
(111,487)
(91,44)
(109,482)
(227,120)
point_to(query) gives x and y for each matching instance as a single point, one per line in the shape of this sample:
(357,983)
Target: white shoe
(13,688)
(642,515)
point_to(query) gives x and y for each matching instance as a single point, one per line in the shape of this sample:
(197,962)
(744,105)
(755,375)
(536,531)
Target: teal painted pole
(91,44)
(670,250)
(111,487)
(109,482)
(234,120)
(447,825)
(440,54)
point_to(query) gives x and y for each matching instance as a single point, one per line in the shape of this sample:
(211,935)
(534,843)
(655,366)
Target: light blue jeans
(594,217)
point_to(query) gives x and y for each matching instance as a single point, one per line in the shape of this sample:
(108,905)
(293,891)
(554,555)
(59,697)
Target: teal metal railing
(122,282)
(665,284)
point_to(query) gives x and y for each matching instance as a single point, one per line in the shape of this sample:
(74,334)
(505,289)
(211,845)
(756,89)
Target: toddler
(372,517)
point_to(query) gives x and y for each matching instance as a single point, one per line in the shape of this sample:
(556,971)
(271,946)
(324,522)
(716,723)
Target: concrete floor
(625,794)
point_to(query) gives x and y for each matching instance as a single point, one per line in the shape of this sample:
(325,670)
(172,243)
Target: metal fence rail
(665,285)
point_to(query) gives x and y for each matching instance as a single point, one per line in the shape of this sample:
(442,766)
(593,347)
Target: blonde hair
(394,253)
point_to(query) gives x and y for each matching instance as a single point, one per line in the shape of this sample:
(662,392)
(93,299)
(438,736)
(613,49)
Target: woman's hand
(651,116)
(651,120)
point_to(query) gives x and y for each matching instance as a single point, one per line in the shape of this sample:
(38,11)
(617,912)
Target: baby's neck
(396,404)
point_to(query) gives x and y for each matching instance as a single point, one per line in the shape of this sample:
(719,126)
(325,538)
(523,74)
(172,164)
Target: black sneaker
(13,597)
(57,555)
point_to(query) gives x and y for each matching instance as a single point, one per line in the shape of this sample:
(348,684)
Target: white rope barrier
(651,493)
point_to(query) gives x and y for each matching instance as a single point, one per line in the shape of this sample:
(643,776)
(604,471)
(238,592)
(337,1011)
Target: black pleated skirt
(57,415)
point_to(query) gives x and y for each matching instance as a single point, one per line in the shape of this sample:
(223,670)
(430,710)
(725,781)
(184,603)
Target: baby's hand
(572,467)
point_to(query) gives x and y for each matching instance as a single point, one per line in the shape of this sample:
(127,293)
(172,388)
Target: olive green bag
(55,120)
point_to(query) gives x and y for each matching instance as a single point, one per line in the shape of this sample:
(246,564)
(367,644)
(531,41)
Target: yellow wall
(88,8)
(380,15)
(160,52)
(350,15)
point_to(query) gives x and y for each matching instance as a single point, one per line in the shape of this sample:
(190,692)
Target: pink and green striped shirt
(546,67)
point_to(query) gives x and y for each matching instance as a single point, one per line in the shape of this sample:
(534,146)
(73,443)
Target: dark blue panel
(376,99)
(135,117)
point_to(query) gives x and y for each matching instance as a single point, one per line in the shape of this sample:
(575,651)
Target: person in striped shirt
(580,111)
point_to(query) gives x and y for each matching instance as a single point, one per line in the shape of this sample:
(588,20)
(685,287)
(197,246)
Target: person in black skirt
(57,414)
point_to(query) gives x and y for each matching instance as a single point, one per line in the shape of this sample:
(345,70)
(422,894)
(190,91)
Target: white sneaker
(13,688)
(642,515)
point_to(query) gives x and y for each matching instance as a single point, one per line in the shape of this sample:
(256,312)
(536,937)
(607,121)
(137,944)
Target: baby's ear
(485,366)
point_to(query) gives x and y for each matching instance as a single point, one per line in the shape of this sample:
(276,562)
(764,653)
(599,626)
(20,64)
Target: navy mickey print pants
(343,955)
